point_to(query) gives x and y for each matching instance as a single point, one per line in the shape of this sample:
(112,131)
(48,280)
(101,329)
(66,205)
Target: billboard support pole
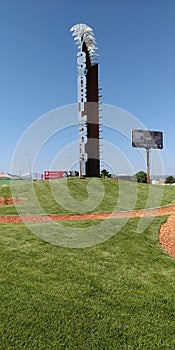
(148,164)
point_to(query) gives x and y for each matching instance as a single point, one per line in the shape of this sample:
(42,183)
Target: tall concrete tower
(88,101)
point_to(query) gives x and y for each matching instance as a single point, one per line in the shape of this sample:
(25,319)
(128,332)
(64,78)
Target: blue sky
(136,50)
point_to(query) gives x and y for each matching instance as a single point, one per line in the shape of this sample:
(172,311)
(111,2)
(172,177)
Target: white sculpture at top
(84,34)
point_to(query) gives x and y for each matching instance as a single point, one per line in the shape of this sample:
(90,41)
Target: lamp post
(30,166)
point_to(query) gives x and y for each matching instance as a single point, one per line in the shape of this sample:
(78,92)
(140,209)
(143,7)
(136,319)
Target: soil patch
(8,201)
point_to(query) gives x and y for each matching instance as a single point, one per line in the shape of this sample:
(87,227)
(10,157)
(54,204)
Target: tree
(170,180)
(141,176)
(105,173)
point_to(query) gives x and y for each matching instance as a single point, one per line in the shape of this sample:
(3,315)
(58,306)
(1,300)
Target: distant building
(4,176)
(158,182)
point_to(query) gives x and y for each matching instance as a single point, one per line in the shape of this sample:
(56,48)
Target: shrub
(141,176)
(170,180)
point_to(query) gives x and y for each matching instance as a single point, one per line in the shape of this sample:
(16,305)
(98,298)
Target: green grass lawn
(116,295)
(46,197)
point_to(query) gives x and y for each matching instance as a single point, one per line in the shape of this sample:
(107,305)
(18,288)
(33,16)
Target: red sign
(50,175)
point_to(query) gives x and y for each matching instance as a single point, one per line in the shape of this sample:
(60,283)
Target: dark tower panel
(92,146)
(92,84)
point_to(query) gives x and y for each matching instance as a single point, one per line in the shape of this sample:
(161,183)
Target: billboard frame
(147,139)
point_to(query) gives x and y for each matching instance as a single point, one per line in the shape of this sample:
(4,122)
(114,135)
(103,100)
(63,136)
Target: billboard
(147,139)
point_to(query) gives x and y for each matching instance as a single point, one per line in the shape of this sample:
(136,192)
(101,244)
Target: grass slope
(46,197)
(113,296)
(117,295)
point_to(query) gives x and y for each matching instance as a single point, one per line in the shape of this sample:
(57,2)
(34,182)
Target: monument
(88,101)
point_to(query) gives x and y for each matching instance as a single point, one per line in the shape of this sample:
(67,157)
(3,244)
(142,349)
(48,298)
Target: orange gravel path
(166,234)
